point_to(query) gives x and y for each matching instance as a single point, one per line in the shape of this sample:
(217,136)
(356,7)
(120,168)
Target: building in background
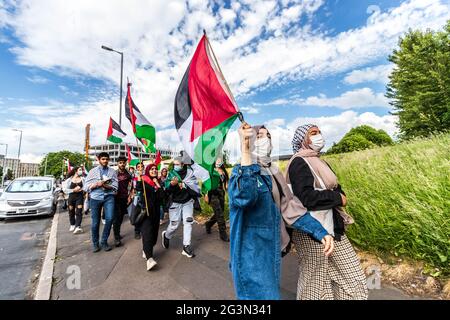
(115,150)
(19,169)
(28,169)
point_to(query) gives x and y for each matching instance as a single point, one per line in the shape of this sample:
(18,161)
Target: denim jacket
(255,239)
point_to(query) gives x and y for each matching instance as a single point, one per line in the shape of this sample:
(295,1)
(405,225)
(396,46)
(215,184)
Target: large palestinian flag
(204,111)
(132,159)
(142,128)
(115,133)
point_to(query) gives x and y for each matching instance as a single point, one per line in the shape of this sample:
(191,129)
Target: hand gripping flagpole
(239,113)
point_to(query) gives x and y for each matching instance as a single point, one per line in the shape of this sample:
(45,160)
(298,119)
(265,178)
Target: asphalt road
(22,248)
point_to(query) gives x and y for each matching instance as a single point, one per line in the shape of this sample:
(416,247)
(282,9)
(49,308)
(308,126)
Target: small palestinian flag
(67,165)
(142,128)
(115,133)
(132,159)
(158,159)
(204,111)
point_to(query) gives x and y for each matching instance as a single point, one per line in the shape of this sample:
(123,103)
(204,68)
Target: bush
(361,138)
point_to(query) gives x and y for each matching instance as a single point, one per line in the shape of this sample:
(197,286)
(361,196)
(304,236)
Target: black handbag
(137,215)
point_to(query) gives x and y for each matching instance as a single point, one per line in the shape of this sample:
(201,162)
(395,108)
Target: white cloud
(372,74)
(359,98)
(38,80)
(353,99)
(250,110)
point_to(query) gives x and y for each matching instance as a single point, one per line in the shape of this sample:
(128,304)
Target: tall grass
(400,199)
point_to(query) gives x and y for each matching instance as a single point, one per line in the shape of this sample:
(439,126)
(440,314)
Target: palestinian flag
(158,159)
(132,159)
(204,111)
(142,128)
(67,165)
(115,133)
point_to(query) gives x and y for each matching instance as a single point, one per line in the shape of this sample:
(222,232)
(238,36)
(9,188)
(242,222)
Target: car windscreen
(30,186)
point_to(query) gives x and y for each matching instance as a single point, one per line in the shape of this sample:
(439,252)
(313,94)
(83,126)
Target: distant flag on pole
(142,128)
(115,133)
(132,159)
(67,165)
(204,112)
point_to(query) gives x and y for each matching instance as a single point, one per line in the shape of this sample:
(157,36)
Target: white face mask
(80,172)
(317,142)
(263,149)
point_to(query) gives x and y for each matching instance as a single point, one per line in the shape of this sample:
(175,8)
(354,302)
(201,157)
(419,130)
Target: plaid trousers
(337,277)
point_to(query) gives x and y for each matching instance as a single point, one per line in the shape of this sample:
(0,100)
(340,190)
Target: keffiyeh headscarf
(299,136)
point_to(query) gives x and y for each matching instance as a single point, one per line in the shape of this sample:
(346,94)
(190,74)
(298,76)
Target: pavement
(22,248)
(121,273)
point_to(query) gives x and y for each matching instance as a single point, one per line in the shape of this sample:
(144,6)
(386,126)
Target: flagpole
(239,113)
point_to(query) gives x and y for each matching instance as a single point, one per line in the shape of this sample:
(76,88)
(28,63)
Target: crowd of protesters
(268,211)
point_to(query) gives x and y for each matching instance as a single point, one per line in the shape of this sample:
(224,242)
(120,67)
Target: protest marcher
(122,199)
(259,201)
(164,209)
(150,199)
(216,199)
(134,199)
(182,187)
(101,183)
(338,276)
(73,187)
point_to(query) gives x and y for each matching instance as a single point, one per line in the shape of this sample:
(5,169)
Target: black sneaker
(95,248)
(106,247)
(224,237)
(137,236)
(117,243)
(165,241)
(188,252)
(208,228)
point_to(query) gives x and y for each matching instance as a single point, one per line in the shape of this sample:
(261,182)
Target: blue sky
(287,62)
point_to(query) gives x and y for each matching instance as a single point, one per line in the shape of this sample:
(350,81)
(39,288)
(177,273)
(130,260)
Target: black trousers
(149,231)
(217,202)
(75,203)
(120,210)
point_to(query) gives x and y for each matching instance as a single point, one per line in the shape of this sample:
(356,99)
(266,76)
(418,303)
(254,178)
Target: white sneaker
(71,228)
(150,264)
(103,221)
(143,255)
(78,230)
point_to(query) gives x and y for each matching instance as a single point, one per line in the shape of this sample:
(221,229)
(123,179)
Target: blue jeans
(108,209)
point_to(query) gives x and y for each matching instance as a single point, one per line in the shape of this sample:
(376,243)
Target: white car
(28,197)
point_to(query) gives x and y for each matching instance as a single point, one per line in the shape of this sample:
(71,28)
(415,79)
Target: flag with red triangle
(204,112)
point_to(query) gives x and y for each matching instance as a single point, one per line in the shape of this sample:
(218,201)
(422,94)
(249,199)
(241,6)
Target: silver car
(28,197)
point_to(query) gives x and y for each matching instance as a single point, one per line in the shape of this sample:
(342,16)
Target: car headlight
(47,199)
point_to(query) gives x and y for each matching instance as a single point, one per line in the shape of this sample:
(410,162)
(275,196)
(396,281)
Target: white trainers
(72,228)
(150,264)
(143,255)
(78,230)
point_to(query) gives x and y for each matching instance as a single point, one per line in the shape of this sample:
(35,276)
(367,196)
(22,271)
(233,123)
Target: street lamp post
(121,80)
(3,164)
(18,153)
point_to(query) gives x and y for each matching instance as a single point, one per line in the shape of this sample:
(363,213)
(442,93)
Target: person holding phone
(102,185)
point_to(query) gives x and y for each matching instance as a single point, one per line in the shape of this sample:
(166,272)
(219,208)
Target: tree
(419,86)
(361,138)
(55,161)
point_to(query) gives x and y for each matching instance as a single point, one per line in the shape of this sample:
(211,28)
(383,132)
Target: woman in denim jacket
(256,221)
